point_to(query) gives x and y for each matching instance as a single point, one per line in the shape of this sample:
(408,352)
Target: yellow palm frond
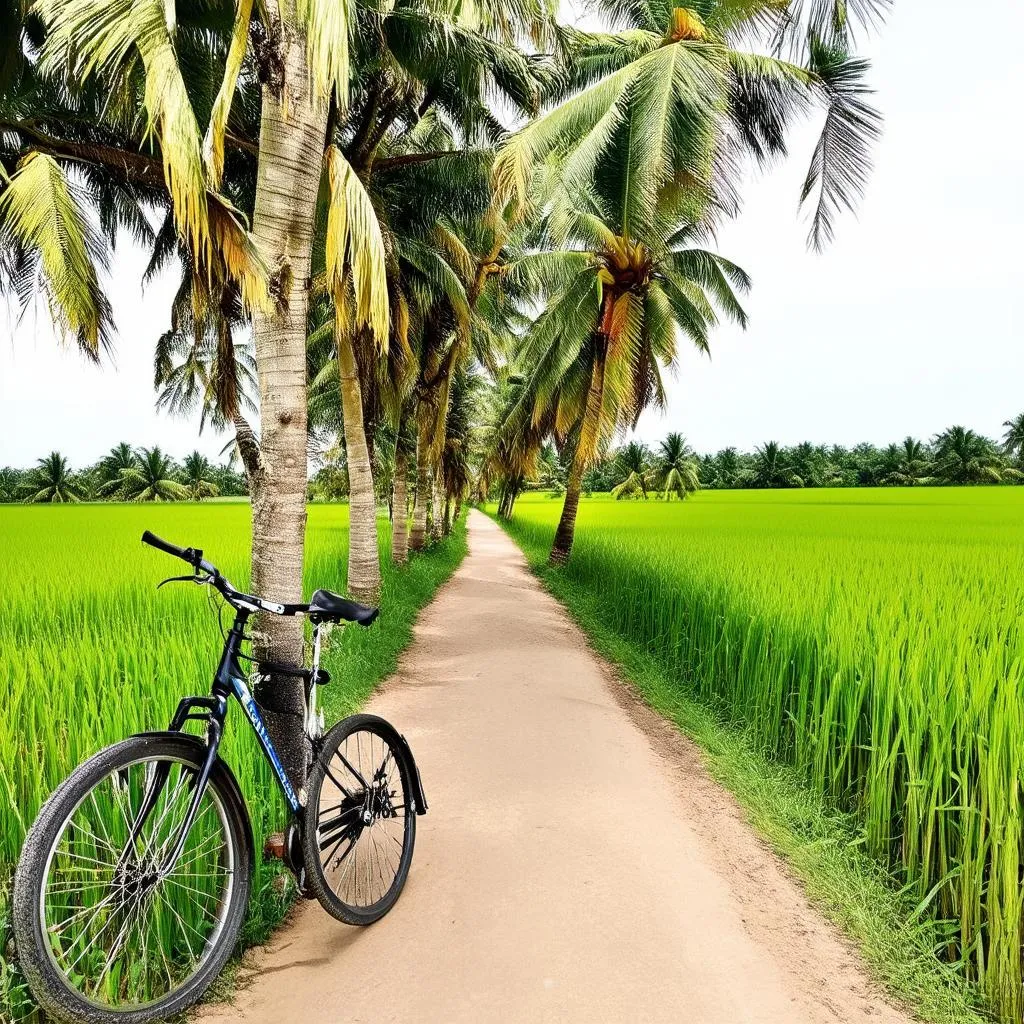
(213,144)
(103,37)
(355,246)
(327,29)
(237,253)
(39,208)
(686,25)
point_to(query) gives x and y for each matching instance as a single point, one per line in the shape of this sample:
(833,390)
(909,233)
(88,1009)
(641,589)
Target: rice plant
(91,653)
(874,639)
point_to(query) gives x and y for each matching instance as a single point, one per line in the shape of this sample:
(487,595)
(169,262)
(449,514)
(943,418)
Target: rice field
(90,652)
(871,638)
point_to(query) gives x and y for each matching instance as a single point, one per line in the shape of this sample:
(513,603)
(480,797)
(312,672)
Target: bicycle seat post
(313,725)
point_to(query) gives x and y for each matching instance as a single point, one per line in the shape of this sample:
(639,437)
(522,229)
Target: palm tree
(619,279)
(299,52)
(771,469)
(905,464)
(111,467)
(11,484)
(676,93)
(52,481)
(1013,439)
(197,476)
(632,466)
(675,468)
(964,457)
(152,478)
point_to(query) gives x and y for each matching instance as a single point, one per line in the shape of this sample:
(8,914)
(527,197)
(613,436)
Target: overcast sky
(911,321)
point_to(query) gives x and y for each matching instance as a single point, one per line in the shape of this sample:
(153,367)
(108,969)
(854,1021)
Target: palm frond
(841,162)
(40,210)
(104,38)
(328,24)
(355,245)
(213,143)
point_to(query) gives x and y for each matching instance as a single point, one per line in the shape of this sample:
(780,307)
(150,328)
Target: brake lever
(181,579)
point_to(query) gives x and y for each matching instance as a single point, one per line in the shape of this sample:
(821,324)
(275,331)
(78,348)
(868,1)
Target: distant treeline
(956,456)
(125,473)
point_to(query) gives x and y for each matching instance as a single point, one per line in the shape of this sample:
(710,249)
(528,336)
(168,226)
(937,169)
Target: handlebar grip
(185,554)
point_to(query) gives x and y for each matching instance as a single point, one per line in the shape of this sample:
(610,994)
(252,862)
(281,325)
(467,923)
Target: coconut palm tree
(197,476)
(297,55)
(619,278)
(1013,439)
(965,457)
(675,468)
(121,457)
(11,484)
(906,464)
(771,468)
(52,481)
(632,466)
(152,478)
(677,93)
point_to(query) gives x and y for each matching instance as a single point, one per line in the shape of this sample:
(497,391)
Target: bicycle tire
(50,986)
(323,788)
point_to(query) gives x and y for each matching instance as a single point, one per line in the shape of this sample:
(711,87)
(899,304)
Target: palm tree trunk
(585,448)
(418,538)
(399,511)
(292,133)
(446,526)
(363,555)
(437,506)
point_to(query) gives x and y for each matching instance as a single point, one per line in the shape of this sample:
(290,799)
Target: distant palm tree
(1013,439)
(152,478)
(11,483)
(771,469)
(197,476)
(112,465)
(632,465)
(52,481)
(964,457)
(675,469)
(906,464)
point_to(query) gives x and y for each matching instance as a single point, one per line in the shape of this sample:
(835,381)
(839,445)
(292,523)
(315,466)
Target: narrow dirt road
(577,863)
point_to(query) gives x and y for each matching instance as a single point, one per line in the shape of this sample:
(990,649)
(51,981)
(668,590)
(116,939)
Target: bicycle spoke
(121,933)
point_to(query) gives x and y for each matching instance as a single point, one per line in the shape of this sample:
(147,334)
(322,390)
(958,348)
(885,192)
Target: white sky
(910,322)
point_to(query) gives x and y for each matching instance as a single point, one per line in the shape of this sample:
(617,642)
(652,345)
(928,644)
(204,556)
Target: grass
(91,653)
(851,661)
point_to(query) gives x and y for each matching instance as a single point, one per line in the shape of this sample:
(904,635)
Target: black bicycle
(134,879)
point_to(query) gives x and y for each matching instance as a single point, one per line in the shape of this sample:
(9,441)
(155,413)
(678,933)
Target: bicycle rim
(121,926)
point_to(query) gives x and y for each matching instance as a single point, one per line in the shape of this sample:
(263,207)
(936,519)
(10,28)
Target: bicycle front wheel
(107,929)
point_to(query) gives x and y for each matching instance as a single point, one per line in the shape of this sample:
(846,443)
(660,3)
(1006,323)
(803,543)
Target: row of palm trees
(123,474)
(672,469)
(398,200)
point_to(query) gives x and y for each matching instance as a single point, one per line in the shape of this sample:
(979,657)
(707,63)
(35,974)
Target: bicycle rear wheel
(360,821)
(106,930)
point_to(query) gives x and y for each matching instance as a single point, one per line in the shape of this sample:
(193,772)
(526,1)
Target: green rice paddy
(873,639)
(90,652)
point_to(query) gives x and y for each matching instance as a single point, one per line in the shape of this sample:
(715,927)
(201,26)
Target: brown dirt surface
(577,862)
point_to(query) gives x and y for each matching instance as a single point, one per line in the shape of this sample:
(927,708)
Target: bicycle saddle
(328,607)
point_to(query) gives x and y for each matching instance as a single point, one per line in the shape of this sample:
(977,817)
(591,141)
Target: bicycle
(133,881)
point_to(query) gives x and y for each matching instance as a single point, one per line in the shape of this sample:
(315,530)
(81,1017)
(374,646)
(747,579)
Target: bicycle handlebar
(190,555)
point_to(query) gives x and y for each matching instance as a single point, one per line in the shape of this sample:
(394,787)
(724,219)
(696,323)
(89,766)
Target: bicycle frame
(229,681)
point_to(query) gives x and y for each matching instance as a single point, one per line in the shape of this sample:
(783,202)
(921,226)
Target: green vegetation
(92,653)
(956,456)
(871,640)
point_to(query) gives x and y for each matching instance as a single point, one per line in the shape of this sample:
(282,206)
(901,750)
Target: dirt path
(577,864)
